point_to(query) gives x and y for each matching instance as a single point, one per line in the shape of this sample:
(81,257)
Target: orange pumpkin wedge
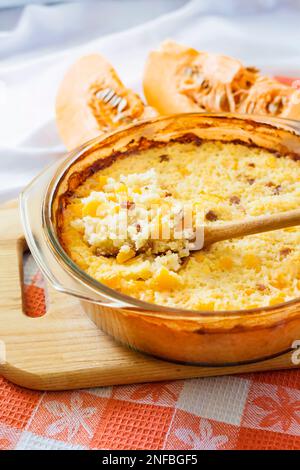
(92,100)
(180,79)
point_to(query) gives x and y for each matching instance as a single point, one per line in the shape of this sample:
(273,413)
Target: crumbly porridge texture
(228,182)
(134,215)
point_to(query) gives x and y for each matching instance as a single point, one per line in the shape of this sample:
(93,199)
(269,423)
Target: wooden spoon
(260,224)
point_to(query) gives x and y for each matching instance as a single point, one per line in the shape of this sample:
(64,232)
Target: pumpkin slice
(92,100)
(181,79)
(269,97)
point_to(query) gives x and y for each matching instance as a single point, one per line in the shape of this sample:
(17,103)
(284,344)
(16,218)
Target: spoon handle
(260,224)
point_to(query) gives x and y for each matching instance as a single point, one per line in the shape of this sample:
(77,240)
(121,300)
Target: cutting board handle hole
(34,287)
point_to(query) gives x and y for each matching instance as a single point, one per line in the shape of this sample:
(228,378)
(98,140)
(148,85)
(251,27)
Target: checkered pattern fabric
(254,411)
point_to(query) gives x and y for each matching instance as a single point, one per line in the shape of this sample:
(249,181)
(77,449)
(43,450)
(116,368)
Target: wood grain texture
(64,349)
(251,226)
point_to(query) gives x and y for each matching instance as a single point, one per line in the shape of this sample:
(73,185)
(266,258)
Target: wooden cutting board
(64,349)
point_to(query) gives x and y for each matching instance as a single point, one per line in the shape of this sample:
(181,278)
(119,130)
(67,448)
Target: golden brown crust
(184,342)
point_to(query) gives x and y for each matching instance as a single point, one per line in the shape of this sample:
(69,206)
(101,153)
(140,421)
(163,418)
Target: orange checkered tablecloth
(250,411)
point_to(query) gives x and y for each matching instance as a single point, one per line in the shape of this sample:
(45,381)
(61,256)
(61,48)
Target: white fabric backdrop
(35,54)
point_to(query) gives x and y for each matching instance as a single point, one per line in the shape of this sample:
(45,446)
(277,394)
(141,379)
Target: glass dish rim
(128,302)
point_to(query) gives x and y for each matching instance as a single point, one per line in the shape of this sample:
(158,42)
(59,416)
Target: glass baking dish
(186,336)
